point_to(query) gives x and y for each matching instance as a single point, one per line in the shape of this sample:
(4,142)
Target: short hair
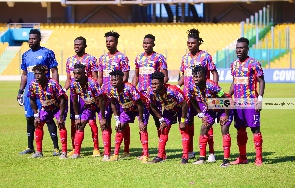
(112,33)
(40,68)
(158,75)
(81,38)
(79,66)
(199,69)
(150,36)
(116,73)
(194,33)
(243,39)
(35,31)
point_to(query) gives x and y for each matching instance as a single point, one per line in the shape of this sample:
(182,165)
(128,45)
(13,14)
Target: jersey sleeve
(97,90)
(51,59)
(68,65)
(182,65)
(73,89)
(134,93)
(163,63)
(232,69)
(136,62)
(93,66)
(125,63)
(215,88)
(23,65)
(258,69)
(210,64)
(31,92)
(100,64)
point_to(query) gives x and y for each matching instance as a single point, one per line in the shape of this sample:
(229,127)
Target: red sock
(144,142)
(162,142)
(118,141)
(127,138)
(210,140)
(106,137)
(226,142)
(63,139)
(258,145)
(191,133)
(203,139)
(94,131)
(73,132)
(39,136)
(79,136)
(242,141)
(185,141)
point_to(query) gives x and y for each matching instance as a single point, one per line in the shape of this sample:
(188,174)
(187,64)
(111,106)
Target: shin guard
(94,131)
(226,143)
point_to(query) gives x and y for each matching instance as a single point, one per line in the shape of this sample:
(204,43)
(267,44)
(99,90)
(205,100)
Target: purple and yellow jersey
(189,62)
(128,97)
(49,97)
(89,61)
(42,56)
(148,65)
(171,100)
(245,76)
(107,63)
(89,93)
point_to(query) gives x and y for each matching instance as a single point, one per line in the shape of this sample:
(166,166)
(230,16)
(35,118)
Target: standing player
(37,55)
(91,100)
(247,72)
(204,90)
(113,60)
(175,108)
(90,63)
(195,57)
(54,104)
(147,63)
(131,104)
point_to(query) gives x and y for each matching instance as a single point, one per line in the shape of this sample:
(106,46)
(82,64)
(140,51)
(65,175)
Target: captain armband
(220,93)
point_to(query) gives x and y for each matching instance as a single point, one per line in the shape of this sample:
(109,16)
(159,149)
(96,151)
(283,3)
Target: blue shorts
(28,109)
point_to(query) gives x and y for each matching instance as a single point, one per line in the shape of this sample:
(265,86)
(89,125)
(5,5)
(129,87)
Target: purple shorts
(172,117)
(72,112)
(108,111)
(212,115)
(246,118)
(129,117)
(47,116)
(88,114)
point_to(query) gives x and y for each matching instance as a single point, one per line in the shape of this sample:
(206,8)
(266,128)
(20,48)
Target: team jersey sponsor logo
(48,102)
(106,73)
(30,68)
(241,80)
(188,72)
(146,70)
(128,104)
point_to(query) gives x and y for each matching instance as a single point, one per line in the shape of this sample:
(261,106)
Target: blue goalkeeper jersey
(42,56)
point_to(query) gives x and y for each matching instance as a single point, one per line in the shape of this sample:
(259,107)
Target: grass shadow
(281,159)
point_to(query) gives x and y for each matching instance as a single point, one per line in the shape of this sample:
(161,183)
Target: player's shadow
(281,159)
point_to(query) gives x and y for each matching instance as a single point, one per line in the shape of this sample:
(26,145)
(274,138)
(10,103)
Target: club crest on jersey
(39,57)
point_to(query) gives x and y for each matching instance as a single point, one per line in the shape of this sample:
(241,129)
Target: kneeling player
(175,107)
(205,89)
(91,101)
(131,104)
(54,104)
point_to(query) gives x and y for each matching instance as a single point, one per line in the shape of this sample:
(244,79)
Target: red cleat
(239,161)
(258,162)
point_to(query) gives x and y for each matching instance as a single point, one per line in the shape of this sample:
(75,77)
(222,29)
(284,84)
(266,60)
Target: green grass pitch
(277,128)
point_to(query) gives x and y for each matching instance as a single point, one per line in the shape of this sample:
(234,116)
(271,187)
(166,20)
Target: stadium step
(7,56)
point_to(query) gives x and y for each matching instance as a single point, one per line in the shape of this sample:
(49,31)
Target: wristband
(201,115)
(161,120)
(36,115)
(64,89)
(178,86)
(77,117)
(20,91)
(259,98)
(117,118)
(182,120)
